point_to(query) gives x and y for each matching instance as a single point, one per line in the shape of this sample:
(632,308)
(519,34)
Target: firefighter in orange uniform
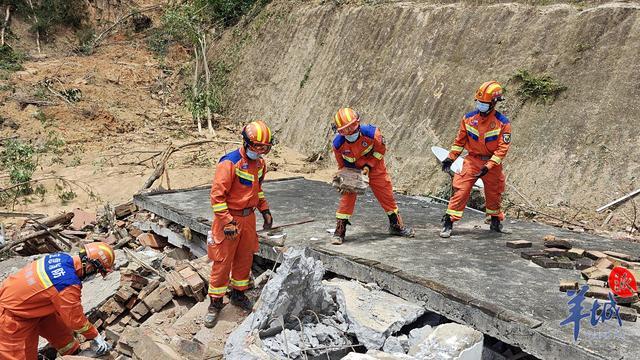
(44,299)
(486,134)
(235,194)
(362,147)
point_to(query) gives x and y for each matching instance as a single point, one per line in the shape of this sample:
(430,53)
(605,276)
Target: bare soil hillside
(412,67)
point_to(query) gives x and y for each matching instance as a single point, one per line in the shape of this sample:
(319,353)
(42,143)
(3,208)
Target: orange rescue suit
(43,299)
(235,194)
(487,140)
(367,150)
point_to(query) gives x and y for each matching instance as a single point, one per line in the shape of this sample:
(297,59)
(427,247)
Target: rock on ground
(452,341)
(372,314)
(281,299)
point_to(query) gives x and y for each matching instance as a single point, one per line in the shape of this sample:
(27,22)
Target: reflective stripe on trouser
(463,183)
(232,257)
(19,336)
(382,189)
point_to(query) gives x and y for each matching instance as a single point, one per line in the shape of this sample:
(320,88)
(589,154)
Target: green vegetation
(305,77)
(9,59)
(540,88)
(18,158)
(193,25)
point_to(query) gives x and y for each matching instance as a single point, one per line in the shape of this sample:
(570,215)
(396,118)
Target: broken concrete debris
(334,317)
(372,314)
(519,244)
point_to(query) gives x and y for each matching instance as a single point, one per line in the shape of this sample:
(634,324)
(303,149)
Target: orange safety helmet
(98,254)
(258,137)
(489,92)
(346,121)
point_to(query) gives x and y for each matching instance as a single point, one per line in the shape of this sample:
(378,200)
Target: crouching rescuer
(44,299)
(486,134)
(362,147)
(235,195)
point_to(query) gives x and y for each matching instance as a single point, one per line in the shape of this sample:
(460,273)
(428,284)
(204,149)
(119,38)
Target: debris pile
(62,232)
(595,267)
(336,317)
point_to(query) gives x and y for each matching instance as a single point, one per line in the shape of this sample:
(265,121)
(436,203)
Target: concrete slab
(471,278)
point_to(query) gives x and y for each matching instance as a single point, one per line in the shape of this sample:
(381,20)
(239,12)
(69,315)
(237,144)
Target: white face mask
(252,155)
(353,137)
(482,107)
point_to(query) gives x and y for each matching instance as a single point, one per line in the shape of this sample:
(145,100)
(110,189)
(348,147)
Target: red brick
(82,219)
(518,244)
(152,240)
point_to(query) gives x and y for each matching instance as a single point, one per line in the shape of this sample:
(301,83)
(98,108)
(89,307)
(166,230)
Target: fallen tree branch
(23,102)
(21,214)
(100,37)
(135,258)
(537,212)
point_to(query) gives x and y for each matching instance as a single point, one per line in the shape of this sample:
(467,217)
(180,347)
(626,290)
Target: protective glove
(446,165)
(101,345)
(482,172)
(365,170)
(230,231)
(268,220)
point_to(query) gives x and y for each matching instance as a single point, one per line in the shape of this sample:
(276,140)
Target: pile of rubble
(338,318)
(595,267)
(62,232)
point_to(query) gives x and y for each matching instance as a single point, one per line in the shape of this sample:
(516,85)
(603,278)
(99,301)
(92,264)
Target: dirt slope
(411,67)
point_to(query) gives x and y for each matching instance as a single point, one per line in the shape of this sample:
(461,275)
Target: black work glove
(446,165)
(268,220)
(482,172)
(231,231)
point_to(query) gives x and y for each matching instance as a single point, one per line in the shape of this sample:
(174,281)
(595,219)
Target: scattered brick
(575,253)
(148,289)
(598,292)
(124,293)
(81,219)
(595,255)
(139,311)
(552,251)
(626,301)
(622,256)
(596,273)
(594,282)
(557,243)
(530,254)
(152,240)
(552,263)
(583,263)
(519,244)
(157,299)
(566,285)
(626,314)
(603,263)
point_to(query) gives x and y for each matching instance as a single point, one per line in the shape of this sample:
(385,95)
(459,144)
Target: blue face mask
(482,107)
(252,155)
(353,137)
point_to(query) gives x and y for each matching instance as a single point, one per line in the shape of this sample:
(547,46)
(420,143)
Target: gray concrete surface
(471,278)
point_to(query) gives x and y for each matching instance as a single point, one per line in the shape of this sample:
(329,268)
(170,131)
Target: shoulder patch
(60,270)
(471,114)
(338,141)
(368,131)
(233,156)
(503,119)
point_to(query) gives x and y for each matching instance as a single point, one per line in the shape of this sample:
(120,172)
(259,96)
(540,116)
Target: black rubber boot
(447,226)
(398,228)
(239,299)
(495,224)
(212,314)
(340,232)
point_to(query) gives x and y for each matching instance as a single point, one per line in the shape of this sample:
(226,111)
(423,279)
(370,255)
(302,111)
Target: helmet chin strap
(85,260)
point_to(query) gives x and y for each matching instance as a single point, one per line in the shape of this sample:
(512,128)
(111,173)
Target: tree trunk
(195,88)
